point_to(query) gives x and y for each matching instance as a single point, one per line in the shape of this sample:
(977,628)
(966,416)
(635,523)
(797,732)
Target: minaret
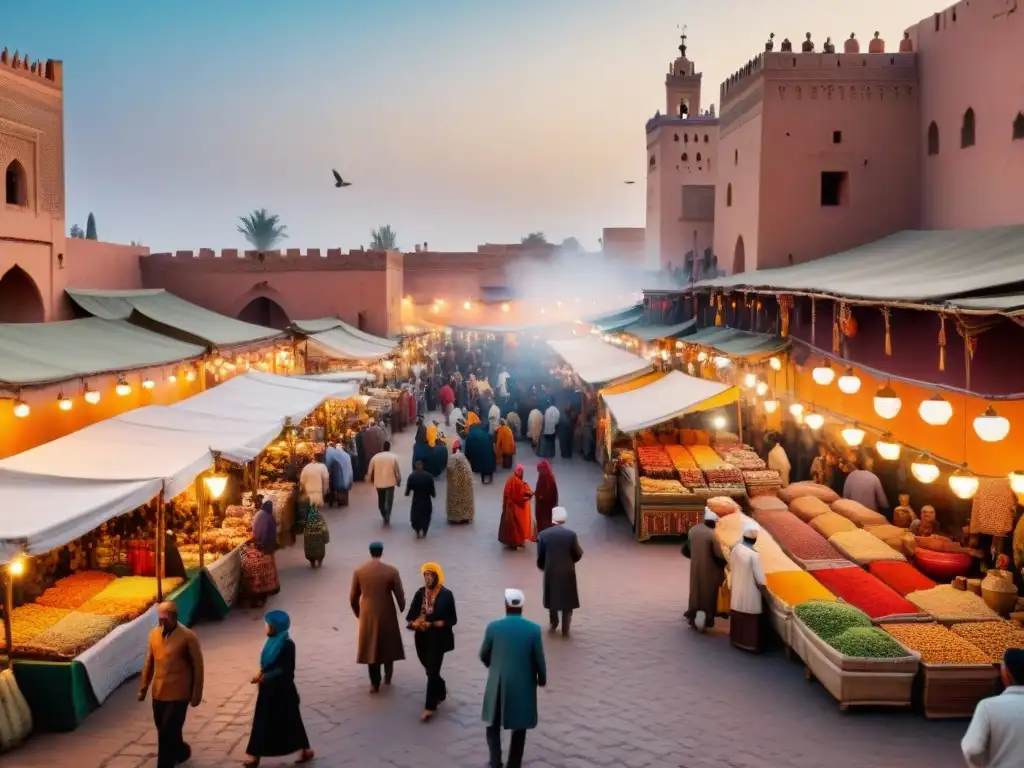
(682,85)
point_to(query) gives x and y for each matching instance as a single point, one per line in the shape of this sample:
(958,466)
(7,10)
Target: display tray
(671,500)
(854,688)
(781,617)
(947,691)
(814,644)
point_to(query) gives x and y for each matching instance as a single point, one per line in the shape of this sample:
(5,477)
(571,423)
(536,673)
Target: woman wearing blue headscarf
(277,728)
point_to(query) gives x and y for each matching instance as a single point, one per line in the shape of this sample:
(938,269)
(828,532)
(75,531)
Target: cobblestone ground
(632,687)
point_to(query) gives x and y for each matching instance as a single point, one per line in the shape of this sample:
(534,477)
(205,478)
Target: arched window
(736,157)
(739,259)
(20,300)
(933,138)
(684,108)
(686,156)
(266,312)
(652,161)
(1018,127)
(705,138)
(17,184)
(686,138)
(728,196)
(698,157)
(967,130)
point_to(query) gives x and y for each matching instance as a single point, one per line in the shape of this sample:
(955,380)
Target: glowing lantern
(16,567)
(963,483)
(888,448)
(64,403)
(853,436)
(722,362)
(761,387)
(505,307)
(775,363)
(91,396)
(702,356)
(718,422)
(814,420)
(172,379)
(1017,481)
(887,402)
(148,383)
(823,374)
(21,409)
(771,405)
(797,410)
(190,375)
(991,427)
(849,383)
(123,387)
(215,485)
(935,411)
(924,469)
(749,381)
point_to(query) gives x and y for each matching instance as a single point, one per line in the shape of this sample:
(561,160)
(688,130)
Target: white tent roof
(597,362)
(332,376)
(73,484)
(339,343)
(664,399)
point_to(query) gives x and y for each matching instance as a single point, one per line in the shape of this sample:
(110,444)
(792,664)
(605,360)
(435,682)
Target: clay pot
(606,496)
(943,567)
(999,592)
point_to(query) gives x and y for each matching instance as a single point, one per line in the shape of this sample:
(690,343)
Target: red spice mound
(902,577)
(862,590)
(796,537)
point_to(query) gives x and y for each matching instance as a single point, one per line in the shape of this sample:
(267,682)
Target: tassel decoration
(835,329)
(718,312)
(942,342)
(814,322)
(785,305)
(886,315)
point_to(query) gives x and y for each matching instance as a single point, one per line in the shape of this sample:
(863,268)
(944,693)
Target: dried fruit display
(859,588)
(745,460)
(626,457)
(705,455)
(993,507)
(127,598)
(651,486)
(679,456)
(947,604)
(797,537)
(762,481)
(902,577)
(867,643)
(691,477)
(70,636)
(724,474)
(31,620)
(993,638)
(654,462)
(74,590)
(936,644)
(861,547)
(829,618)
(795,587)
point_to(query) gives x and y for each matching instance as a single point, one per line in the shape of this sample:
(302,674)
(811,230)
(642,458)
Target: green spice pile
(827,618)
(867,643)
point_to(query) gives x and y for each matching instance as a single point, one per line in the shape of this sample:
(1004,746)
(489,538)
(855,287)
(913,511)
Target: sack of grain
(857,513)
(722,505)
(767,504)
(808,507)
(829,524)
(806,488)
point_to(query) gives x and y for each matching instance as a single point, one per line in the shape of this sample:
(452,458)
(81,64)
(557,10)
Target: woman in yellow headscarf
(432,435)
(504,445)
(431,616)
(471,419)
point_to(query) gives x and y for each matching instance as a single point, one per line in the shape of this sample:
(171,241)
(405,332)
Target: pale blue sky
(459,122)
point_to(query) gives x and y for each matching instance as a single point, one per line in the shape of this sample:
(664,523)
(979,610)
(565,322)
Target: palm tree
(534,239)
(572,245)
(383,239)
(263,230)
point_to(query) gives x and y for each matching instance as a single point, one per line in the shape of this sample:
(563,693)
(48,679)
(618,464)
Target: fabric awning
(335,376)
(46,353)
(323,324)
(913,265)
(667,398)
(596,362)
(1011,304)
(609,322)
(646,332)
(172,314)
(339,344)
(732,341)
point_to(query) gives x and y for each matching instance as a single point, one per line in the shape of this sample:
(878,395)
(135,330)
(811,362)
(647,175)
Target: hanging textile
(942,342)
(886,315)
(718,310)
(814,322)
(785,307)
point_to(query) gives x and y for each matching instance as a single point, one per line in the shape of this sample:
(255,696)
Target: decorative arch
(933,138)
(728,196)
(967,129)
(739,259)
(1018,127)
(16,184)
(20,299)
(263,310)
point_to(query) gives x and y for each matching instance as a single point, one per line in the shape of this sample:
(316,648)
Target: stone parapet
(49,72)
(290,260)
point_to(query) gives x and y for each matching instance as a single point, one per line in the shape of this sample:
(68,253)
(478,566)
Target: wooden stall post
(201,503)
(160,527)
(8,609)
(739,420)
(637,512)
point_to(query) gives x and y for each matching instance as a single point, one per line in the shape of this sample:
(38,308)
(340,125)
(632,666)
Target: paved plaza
(632,687)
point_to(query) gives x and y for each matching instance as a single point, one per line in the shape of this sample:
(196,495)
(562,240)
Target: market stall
(669,471)
(596,362)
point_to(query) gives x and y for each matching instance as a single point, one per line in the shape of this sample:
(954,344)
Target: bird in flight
(340,182)
(629,182)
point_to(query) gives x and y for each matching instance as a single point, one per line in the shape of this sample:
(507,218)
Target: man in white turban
(747,579)
(707,572)
(513,652)
(558,551)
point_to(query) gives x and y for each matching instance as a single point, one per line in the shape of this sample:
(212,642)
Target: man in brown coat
(375,589)
(174,666)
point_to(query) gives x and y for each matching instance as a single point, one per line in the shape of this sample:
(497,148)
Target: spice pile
(859,588)
(741,457)
(857,513)
(652,486)
(902,577)
(867,643)
(75,590)
(30,620)
(861,547)
(128,598)
(762,482)
(797,538)
(829,524)
(848,630)
(73,634)
(947,604)
(993,638)
(654,462)
(936,644)
(796,587)
(687,469)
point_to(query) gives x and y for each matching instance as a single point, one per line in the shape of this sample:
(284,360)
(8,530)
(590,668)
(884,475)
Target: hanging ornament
(1017,481)
(814,322)
(849,383)
(814,420)
(942,342)
(963,483)
(775,363)
(886,315)
(936,410)
(835,329)
(771,405)
(847,322)
(991,427)
(785,306)
(718,312)
(924,469)
(887,402)
(887,447)
(823,374)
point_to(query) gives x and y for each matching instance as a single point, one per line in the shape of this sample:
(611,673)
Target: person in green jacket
(513,653)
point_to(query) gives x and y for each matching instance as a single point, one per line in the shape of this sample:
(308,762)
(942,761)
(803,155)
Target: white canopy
(664,399)
(57,491)
(341,344)
(597,362)
(332,376)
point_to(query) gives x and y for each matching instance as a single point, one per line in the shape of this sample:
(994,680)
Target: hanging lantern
(887,402)
(91,396)
(849,383)
(64,403)
(21,409)
(1017,481)
(190,375)
(814,420)
(718,422)
(775,363)
(148,383)
(123,387)
(172,379)
(750,380)
(990,426)
(771,405)
(823,374)
(924,469)
(722,362)
(797,410)
(702,356)
(760,388)
(468,305)
(963,483)
(888,448)
(936,410)
(853,436)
